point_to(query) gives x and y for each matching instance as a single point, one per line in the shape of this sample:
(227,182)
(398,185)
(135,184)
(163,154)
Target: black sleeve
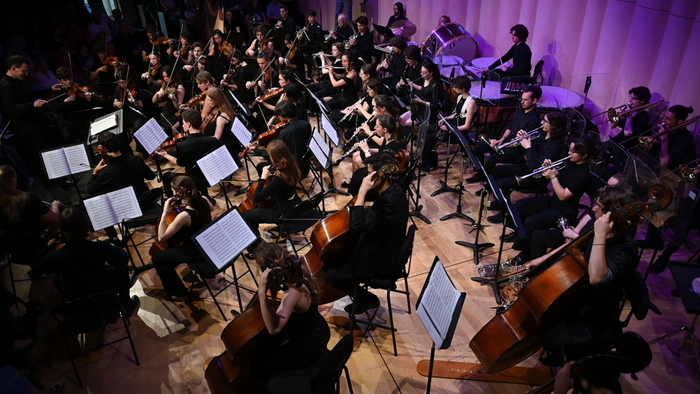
(263,192)
(505,58)
(640,123)
(621,260)
(35,205)
(47,261)
(112,254)
(679,150)
(363,219)
(522,61)
(146,172)
(397,65)
(577,183)
(551,151)
(100,182)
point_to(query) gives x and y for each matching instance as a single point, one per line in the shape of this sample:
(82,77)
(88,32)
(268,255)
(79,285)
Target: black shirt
(543,149)
(296,135)
(122,171)
(17,100)
(395,18)
(576,178)
(680,144)
(522,60)
(522,120)
(365,46)
(343,33)
(285,196)
(193,148)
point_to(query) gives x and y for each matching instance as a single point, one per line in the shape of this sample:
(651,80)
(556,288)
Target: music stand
(112,122)
(217,165)
(220,243)
(243,136)
(416,156)
(459,189)
(329,129)
(244,108)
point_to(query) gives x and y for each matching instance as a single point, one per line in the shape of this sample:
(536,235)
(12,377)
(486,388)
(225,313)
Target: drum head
(450,39)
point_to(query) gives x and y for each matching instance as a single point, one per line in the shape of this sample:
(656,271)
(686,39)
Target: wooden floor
(175,340)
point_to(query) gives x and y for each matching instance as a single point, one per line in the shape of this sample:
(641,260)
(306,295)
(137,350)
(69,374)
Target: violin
(193,101)
(184,50)
(209,118)
(229,75)
(175,241)
(103,154)
(555,286)
(265,138)
(80,91)
(249,202)
(114,62)
(162,41)
(273,94)
(225,48)
(153,70)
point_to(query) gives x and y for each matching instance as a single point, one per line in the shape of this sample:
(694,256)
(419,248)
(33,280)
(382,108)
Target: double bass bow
(554,287)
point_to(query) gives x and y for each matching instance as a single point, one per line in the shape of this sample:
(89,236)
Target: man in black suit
(187,152)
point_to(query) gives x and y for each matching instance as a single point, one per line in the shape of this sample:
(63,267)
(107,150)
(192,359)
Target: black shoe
(494,206)
(362,306)
(512,237)
(478,177)
(659,265)
(497,219)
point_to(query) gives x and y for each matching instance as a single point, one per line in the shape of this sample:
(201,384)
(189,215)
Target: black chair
(389,284)
(299,219)
(637,293)
(91,313)
(320,378)
(537,72)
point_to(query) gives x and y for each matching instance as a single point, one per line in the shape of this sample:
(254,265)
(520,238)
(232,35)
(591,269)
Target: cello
(513,335)
(249,202)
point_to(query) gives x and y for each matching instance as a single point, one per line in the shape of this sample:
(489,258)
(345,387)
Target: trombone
(614,115)
(645,141)
(688,172)
(538,173)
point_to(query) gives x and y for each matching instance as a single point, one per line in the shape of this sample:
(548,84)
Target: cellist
(186,215)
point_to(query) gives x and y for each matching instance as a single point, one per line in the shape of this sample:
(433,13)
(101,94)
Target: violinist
(126,96)
(152,78)
(103,71)
(219,114)
(266,78)
(285,79)
(538,213)
(188,71)
(300,334)
(382,230)
(612,257)
(117,170)
(363,41)
(24,217)
(77,98)
(670,150)
(639,122)
(187,214)
(296,134)
(219,46)
(188,151)
(154,43)
(169,98)
(346,82)
(239,72)
(277,181)
(80,263)
(261,43)
(293,59)
(184,54)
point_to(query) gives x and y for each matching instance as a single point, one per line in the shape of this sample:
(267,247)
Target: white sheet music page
(331,132)
(151,136)
(55,163)
(217,165)
(438,304)
(77,158)
(100,212)
(241,132)
(320,149)
(125,204)
(106,123)
(226,238)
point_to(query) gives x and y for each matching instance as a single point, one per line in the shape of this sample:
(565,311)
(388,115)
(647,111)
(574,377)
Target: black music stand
(459,189)
(383,30)
(512,212)
(683,275)
(330,127)
(448,162)
(416,155)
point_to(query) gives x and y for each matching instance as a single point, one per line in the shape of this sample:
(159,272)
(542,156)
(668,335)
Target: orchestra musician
(461,120)
(184,54)
(293,58)
(80,263)
(411,73)
(188,71)
(296,134)
(394,68)
(431,93)
(612,257)
(78,98)
(267,76)
(671,150)
(300,333)
(346,82)
(640,122)
(169,98)
(520,53)
(363,110)
(324,88)
(285,22)
(549,145)
(526,118)
(219,45)
(443,20)
(153,78)
(277,181)
(343,30)
(543,212)
(386,137)
(382,229)
(193,214)
(363,41)
(238,74)
(128,97)
(104,71)
(398,15)
(291,91)
(188,151)
(217,106)
(261,43)
(154,44)
(312,29)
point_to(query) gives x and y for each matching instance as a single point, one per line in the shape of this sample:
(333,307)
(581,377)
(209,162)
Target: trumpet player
(640,121)
(548,145)
(362,41)
(568,184)
(671,144)
(526,118)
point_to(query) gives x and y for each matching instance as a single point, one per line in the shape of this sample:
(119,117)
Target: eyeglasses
(545,120)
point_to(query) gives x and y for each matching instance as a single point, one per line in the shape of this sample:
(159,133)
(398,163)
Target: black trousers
(510,155)
(505,176)
(543,240)
(345,279)
(257,216)
(166,261)
(537,214)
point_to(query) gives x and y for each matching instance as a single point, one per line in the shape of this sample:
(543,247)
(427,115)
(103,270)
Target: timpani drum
(555,97)
(450,39)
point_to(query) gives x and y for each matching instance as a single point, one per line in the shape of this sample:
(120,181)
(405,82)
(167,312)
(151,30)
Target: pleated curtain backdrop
(620,43)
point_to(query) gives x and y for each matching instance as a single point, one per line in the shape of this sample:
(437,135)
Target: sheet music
(241,132)
(125,204)
(151,136)
(77,158)
(100,212)
(331,132)
(106,123)
(225,239)
(438,304)
(109,209)
(320,149)
(55,163)
(217,165)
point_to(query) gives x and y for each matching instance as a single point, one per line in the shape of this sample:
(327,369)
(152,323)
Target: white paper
(217,165)
(239,130)
(109,209)
(438,304)
(331,132)
(55,163)
(151,136)
(77,158)
(226,238)
(320,149)
(108,122)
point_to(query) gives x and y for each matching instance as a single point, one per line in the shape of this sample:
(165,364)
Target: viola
(103,154)
(556,286)
(273,94)
(193,101)
(249,202)
(175,241)
(265,138)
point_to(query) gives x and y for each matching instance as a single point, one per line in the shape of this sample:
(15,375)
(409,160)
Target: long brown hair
(193,197)
(389,122)
(11,198)
(217,96)
(280,153)
(271,255)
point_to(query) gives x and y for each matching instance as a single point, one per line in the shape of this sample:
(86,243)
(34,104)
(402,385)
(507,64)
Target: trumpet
(614,115)
(348,44)
(644,141)
(530,134)
(688,172)
(539,173)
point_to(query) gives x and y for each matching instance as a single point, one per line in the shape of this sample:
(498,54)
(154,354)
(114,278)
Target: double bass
(554,289)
